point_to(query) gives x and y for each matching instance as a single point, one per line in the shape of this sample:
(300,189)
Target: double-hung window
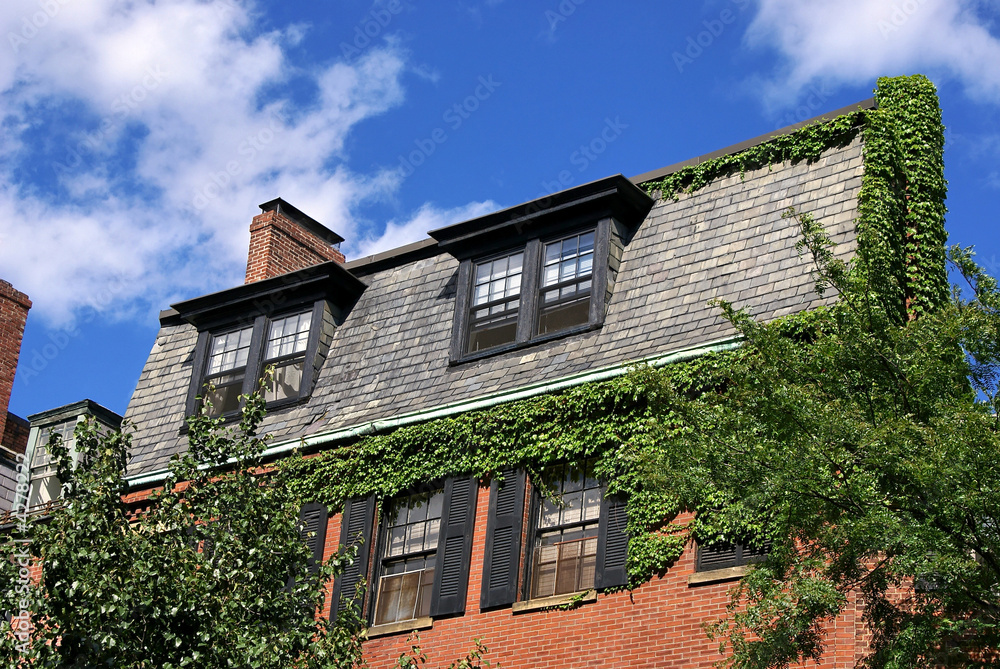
(575,539)
(538,290)
(226,370)
(566,283)
(421,559)
(496,302)
(236,359)
(564,555)
(409,556)
(541,270)
(287,342)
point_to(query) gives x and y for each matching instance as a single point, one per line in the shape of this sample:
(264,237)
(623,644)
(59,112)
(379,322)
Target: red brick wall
(14,306)
(656,625)
(279,245)
(15,434)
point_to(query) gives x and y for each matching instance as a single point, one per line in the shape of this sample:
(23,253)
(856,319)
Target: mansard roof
(389,354)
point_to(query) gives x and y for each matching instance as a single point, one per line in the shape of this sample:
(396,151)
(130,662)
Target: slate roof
(391,354)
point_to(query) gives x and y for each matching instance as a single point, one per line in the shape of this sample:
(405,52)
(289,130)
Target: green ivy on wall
(900,229)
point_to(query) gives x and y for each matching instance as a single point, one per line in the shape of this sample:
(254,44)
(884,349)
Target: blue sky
(138,136)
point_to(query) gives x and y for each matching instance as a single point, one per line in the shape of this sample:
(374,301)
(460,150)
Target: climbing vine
(900,231)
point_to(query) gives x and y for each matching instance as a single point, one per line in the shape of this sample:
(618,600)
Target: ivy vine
(900,204)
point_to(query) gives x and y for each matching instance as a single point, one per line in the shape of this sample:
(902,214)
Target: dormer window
(541,270)
(567,283)
(241,333)
(560,290)
(226,370)
(496,301)
(287,344)
(235,366)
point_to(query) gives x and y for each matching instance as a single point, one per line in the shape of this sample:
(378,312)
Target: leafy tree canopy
(213,574)
(866,451)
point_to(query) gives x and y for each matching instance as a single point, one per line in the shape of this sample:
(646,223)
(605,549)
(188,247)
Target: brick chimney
(283,239)
(14,306)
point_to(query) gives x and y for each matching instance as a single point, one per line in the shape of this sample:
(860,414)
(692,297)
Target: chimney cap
(306,221)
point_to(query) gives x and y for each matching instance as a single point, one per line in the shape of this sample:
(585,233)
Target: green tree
(866,450)
(213,573)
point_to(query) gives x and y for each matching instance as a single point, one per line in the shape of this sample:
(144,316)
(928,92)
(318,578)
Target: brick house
(14,307)
(568,289)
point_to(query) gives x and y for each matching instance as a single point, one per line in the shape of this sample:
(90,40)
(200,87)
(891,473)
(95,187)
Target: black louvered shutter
(357,521)
(718,556)
(451,575)
(612,544)
(503,540)
(312,526)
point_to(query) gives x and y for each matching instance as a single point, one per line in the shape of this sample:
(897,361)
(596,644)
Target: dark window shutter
(726,555)
(451,575)
(718,556)
(503,540)
(312,526)
(612,544)
(357,521)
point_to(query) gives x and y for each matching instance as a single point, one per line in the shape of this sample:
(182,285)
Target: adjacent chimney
(14,306)
(283,239)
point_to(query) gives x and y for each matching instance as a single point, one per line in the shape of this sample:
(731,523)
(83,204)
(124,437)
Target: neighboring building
(14,306)
(45,487)
(565,290)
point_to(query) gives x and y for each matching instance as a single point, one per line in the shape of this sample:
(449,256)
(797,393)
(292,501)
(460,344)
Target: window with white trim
(564,554)
(540,290)
(235,361)
(409,556)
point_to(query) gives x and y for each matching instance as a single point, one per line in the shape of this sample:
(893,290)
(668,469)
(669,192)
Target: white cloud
(856,41)
(153,129)
(427,218)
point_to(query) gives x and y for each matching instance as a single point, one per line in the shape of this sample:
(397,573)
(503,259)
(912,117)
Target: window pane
(229,351)
(397,538)
(288,335)
(491,334)
(223,393)
(591,504)
(550,514)
(572,511)
(563,315)
(287,381)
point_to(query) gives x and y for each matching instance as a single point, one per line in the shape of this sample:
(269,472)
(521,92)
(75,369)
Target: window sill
(517,346)
(567,600)
(717,575)
(402,626)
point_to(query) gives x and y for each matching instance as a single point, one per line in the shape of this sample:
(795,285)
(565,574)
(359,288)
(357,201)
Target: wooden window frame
(260,325)
(531,288)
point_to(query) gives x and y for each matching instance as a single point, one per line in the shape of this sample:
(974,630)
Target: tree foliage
(214,573)
(866,450)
